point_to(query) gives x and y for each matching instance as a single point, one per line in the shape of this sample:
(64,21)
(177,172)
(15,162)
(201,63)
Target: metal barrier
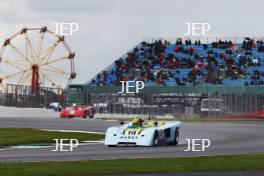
(177,101)
(20,96)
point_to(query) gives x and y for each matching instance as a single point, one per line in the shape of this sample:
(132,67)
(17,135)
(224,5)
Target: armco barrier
(27,112)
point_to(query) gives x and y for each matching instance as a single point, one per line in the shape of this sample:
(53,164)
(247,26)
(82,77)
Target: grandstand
(163,62)
(183,77)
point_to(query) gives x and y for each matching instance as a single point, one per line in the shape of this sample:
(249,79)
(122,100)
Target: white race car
(142,133)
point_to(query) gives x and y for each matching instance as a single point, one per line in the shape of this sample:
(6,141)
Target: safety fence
(21,96)
(177,101)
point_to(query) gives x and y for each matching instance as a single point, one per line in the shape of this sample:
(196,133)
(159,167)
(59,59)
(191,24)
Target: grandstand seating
(188,63)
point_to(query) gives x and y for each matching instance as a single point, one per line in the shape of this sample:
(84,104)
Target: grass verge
(122,166)
(24,136)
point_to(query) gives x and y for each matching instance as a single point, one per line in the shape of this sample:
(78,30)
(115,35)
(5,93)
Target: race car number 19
(132,132)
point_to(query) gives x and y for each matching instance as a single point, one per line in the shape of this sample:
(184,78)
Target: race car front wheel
(112,145)
(156,138)
(85,115)
(176,137)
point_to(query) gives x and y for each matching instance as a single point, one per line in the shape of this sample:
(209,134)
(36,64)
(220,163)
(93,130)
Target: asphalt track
(225,139)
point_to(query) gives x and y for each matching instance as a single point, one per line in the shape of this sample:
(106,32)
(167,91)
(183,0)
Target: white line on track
(50,146)
(4,149)
(97,142)
(73,131)
(31,147)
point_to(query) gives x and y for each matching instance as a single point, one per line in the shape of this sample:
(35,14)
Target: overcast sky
(109,28)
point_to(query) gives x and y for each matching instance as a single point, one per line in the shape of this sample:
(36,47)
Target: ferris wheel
(38,58)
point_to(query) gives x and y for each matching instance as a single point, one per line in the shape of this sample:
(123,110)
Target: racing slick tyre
(85,115)
(112,145)
(156,138)
(176,137)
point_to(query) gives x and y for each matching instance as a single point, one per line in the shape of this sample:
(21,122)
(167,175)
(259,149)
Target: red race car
(78,111)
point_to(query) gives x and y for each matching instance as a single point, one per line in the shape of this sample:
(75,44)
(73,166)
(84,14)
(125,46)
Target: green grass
(24,136)
(150,165)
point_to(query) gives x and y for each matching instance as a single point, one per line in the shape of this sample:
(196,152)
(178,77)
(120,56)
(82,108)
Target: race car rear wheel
(156,138)
(176,137)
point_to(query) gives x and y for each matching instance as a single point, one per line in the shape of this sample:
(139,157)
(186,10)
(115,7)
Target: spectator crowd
(188,63)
